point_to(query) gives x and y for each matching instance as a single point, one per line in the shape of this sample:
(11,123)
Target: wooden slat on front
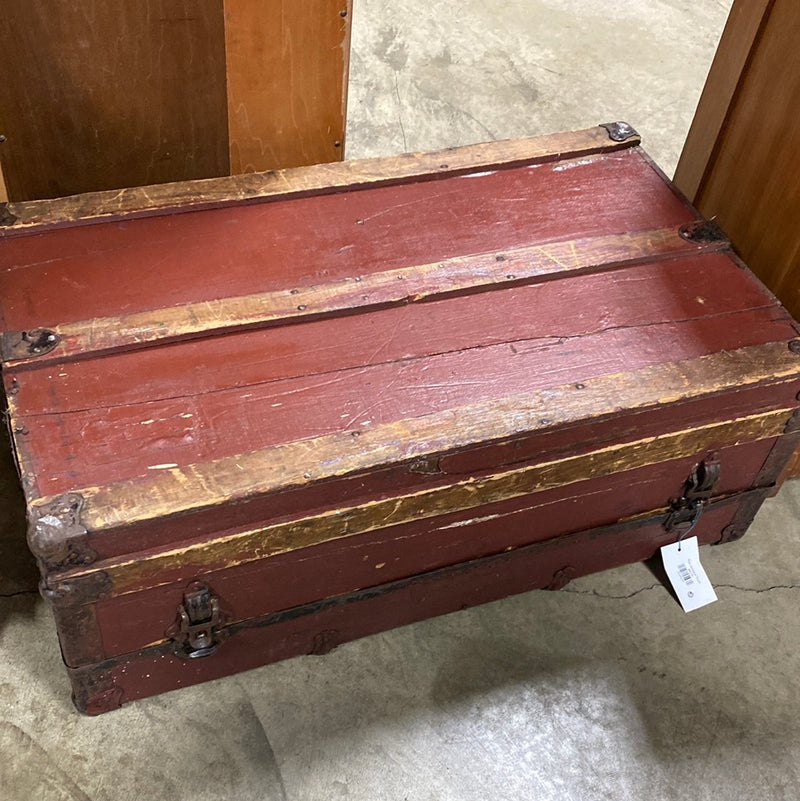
(188,488)
(130,574)
(287,82)
(213,192)
(359,294)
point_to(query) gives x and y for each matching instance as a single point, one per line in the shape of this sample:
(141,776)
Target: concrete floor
(606,690)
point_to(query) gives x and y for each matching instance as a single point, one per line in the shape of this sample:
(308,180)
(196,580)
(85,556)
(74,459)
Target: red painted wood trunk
(381,391)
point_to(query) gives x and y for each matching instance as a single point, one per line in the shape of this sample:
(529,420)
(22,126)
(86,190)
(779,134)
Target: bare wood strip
(185,196)
(358,294)
(195,487)
(129,575)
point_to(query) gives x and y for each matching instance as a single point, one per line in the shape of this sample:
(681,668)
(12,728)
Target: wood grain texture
(420,430)
(150,570)
(753,184)
(729,68)
(343,618)
(640,295)
(404,477)
(347,564)
(358,295)
(186,430)
(302,242)
(287,65)
(211,193)
(111,94)
(173,491)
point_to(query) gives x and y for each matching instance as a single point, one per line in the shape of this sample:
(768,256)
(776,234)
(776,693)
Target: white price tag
(686,574)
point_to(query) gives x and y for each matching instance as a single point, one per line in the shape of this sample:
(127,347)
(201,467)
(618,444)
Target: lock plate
(698,489)
(198,630)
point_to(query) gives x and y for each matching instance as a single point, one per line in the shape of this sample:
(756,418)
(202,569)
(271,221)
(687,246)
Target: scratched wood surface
(191,402)
(388,361)
(409,334)
(122,521)
(194,401)
(222,422)
(454,276)
(184,196)
(131,573)
(303,242)
(741,160)
(132,620)
(322,473)
(318,628)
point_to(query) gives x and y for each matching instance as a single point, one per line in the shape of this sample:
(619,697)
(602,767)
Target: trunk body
(262,416)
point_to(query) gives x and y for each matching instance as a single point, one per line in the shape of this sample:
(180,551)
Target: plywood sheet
(287,66)
(109,93)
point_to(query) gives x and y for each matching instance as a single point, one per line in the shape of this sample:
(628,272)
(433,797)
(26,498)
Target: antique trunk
(259,416)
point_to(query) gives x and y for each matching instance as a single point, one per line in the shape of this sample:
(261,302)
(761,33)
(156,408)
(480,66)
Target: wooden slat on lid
(181,489)
(184,196)
(350,296)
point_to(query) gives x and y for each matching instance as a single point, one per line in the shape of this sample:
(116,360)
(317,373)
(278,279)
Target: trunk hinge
(697,490)
(198,630)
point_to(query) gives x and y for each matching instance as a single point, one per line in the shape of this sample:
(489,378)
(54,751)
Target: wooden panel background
(744,26)
(286,96)
(106,94)
(741,161)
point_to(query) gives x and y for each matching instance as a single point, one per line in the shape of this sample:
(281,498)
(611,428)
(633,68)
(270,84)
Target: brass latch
(697,490)
(198,631)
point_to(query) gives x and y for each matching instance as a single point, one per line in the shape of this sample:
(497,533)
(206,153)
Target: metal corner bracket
(619,131)
(94,691)
(56,535)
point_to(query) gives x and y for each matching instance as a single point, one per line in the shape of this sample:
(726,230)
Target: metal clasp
(697,490)
(198,630)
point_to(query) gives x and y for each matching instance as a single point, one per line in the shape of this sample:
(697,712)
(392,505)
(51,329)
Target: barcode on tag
(686,574)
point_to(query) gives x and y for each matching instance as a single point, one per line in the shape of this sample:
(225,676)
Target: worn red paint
(101,270)
(112,419)
(517,571)
(336,567)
